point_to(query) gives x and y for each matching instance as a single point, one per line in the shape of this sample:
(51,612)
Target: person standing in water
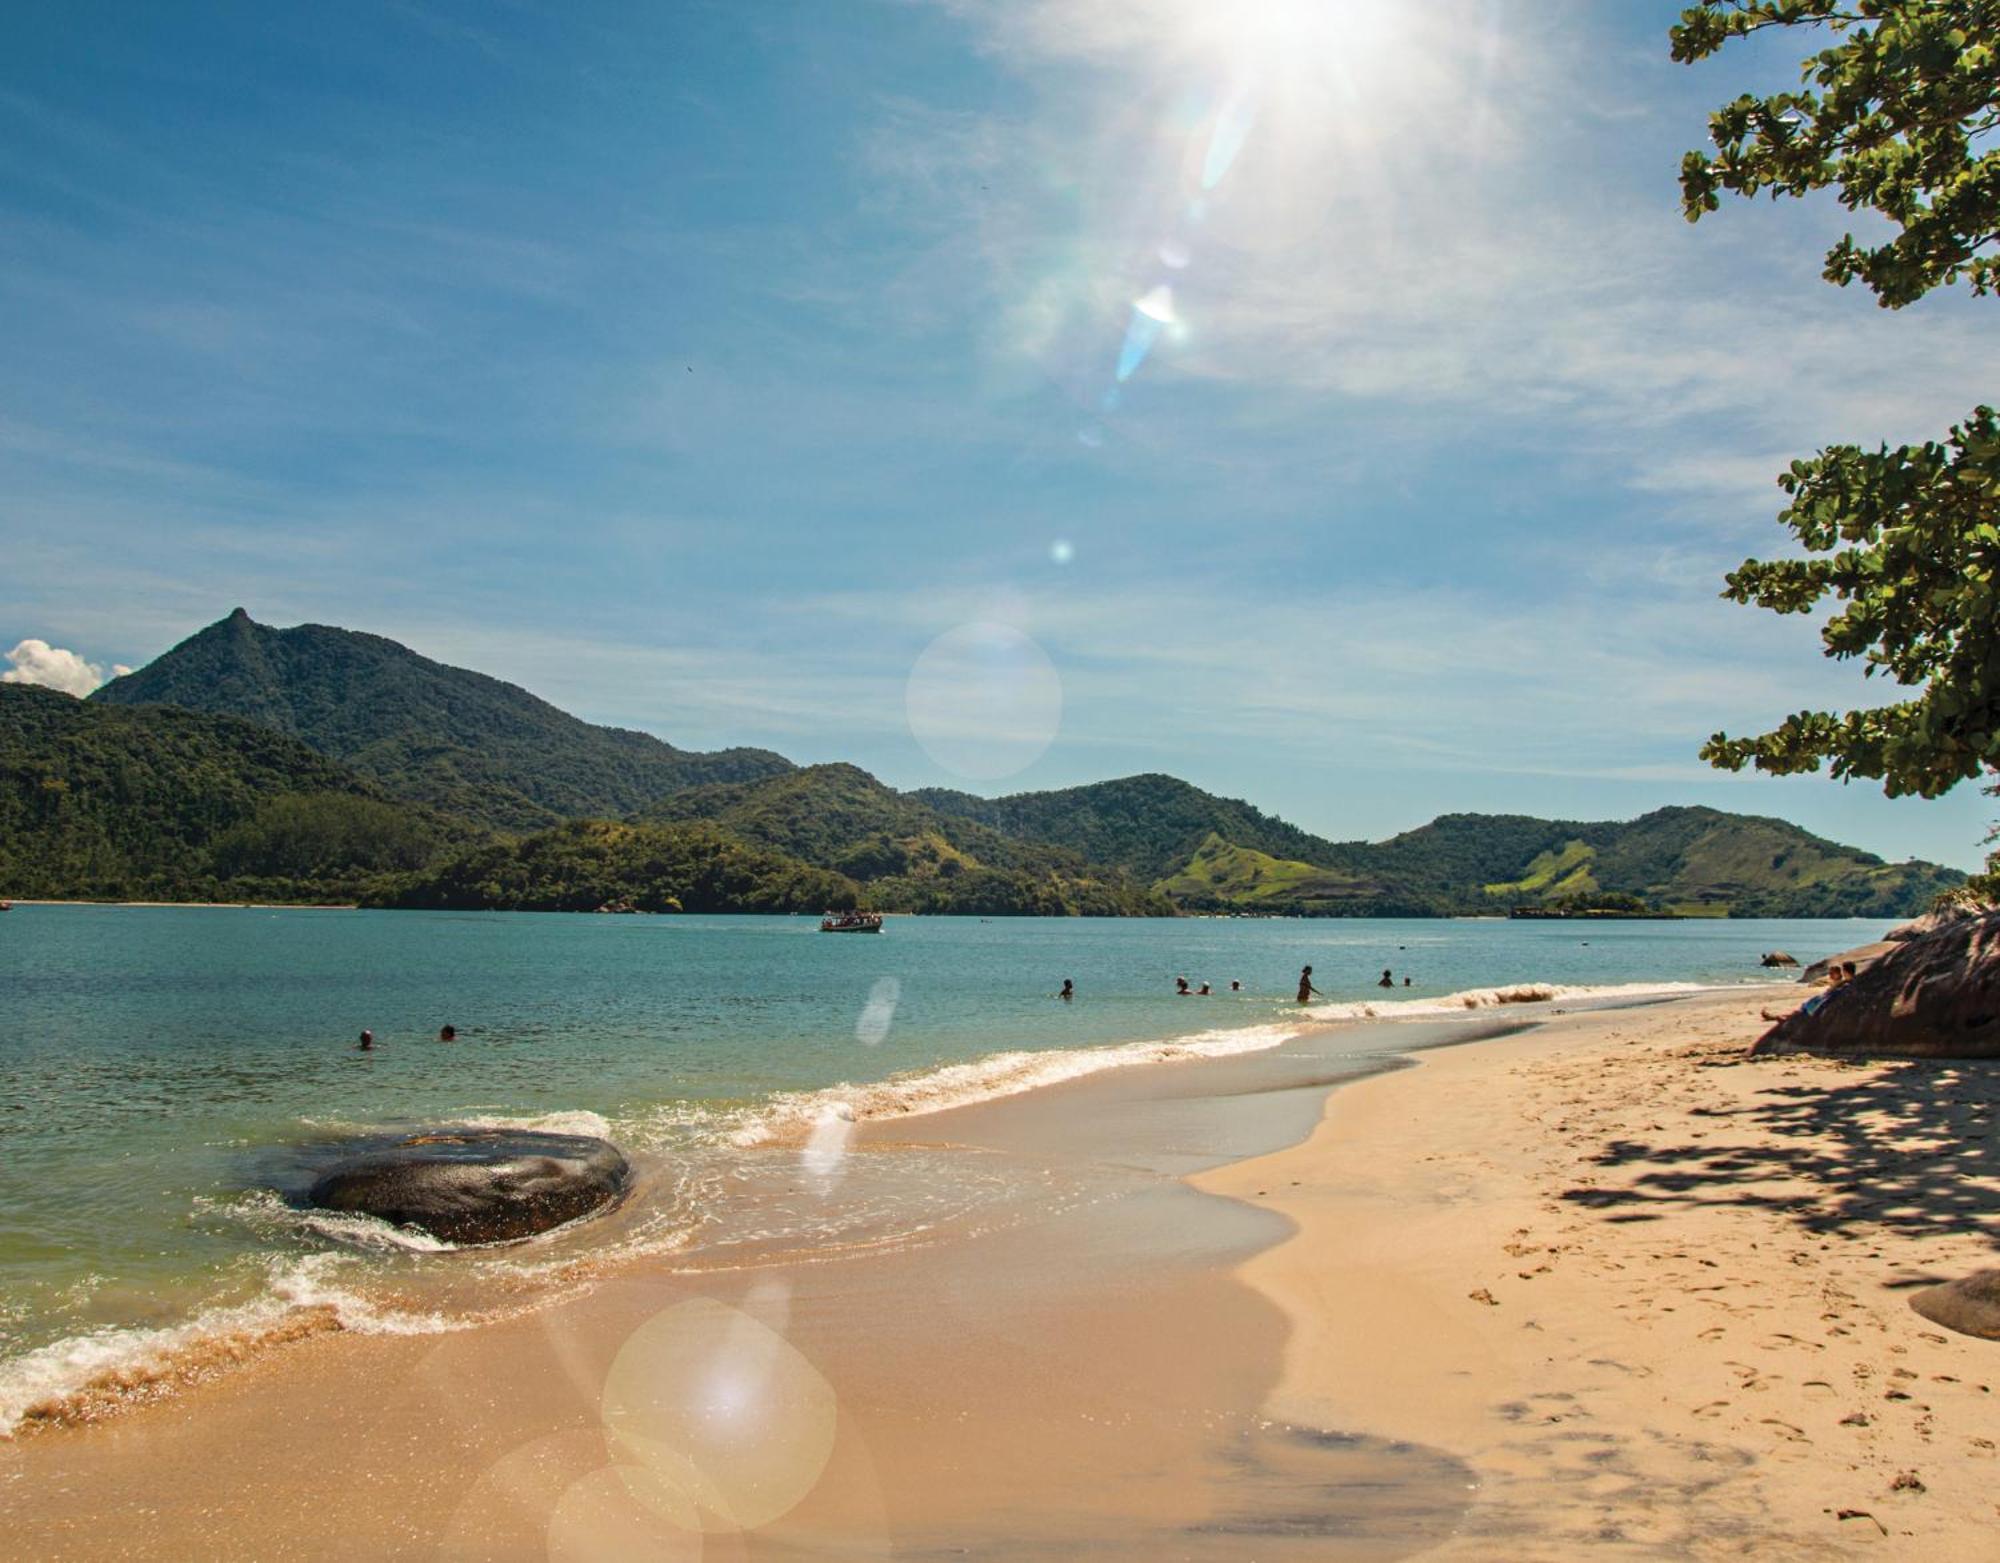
(366,1044)
(1306,989)
(1068,990)
(1388,980)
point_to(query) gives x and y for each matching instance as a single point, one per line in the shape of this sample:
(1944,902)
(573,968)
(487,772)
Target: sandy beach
(1652,1292)
(1601,1287)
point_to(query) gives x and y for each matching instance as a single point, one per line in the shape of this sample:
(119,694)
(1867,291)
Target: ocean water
(170,1078)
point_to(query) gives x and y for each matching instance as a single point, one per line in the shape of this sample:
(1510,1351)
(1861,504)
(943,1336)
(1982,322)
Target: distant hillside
(1147,825)
(433,758)
(153,803)
(1218,854)
(593,865)
(484,750)
(907,855)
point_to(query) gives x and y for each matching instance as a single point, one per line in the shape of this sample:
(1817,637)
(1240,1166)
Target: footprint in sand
(1713,1408)
(1786,1431)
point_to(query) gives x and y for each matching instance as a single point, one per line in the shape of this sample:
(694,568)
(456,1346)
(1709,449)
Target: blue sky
(748,373)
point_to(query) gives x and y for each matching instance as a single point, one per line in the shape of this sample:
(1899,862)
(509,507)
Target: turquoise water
(167,1069)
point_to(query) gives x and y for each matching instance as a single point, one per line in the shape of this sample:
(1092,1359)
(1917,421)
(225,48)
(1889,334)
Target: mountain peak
(475,745)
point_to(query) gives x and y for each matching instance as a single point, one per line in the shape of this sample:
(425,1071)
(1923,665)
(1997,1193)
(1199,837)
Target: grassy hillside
(153,803)
(1149,826)
(908,855)
(484,750)
(1223,876)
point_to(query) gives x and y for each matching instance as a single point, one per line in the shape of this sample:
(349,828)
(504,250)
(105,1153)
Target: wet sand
(1078,1373)
(1654,1293)
(1598,1288)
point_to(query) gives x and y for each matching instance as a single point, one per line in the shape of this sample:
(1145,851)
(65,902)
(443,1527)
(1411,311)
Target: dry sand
(1653,1292)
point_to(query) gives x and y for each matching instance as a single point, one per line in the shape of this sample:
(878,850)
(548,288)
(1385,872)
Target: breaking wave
(791,1117)
(1492,998)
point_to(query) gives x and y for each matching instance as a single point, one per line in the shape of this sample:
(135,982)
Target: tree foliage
(1896,115)
(1900,115)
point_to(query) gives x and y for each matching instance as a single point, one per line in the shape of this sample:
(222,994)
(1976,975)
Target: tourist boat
(851,922)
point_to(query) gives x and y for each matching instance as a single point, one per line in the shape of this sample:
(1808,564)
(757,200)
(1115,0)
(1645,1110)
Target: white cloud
(37,662)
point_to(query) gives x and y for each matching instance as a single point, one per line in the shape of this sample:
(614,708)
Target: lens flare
(1225,139)
(727,1423)
(1062,551)
(879,1013)
(984,701)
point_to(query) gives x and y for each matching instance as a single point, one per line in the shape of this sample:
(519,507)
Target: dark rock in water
(1933,996)
(1779,958)
(1970,1306)
(477,1185)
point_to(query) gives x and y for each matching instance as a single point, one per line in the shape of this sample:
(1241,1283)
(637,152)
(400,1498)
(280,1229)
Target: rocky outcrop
(477,1185)
(1942,916)
(1779,958)
(1863,956)
(1933,996)
(1970,1306)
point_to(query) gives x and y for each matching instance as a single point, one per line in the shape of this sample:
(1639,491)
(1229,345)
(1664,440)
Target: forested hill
(318,762)
(486,751)
(907,855)
(159,803)
(1219,854)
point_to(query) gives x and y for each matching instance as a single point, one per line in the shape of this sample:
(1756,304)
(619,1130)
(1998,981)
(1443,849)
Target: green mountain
(154,803)
(1218,854)
(1147,825)
(907,855)
(593,865)
(360,768)
(484,750)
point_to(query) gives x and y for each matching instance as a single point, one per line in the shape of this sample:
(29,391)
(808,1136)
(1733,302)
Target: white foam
(985,1079)
(575,1121)
(1523,993)
(133,1361)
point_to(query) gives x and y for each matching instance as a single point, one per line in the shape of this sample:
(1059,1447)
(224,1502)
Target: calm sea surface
(168,1076)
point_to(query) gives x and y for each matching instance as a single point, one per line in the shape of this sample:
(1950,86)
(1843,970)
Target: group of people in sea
(367,1042)
(1184,989)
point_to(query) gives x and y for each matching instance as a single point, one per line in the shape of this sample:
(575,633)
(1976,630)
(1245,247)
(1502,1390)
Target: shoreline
(1653,1291)
(1261,1277)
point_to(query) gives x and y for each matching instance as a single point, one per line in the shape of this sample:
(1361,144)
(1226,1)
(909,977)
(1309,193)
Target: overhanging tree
(1900,116)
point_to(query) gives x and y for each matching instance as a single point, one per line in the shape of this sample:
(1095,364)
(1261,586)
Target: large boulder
(1970,1306)
(1933,996)
(1863,956)
(1779,958)
(477,1185)
(1941,916)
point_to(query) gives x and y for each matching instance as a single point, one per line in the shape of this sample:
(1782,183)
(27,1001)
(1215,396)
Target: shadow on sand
(1914,1149)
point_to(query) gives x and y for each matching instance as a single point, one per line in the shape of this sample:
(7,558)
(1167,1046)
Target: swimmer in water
(1388,979)
(1068,990)
(448,1033)
(366,1044)
(1306,988)
(1181,987)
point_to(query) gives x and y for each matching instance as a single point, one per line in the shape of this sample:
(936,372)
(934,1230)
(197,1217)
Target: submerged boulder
(1970,1306)
(477,1185)
(1779,958)
(1933,996)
